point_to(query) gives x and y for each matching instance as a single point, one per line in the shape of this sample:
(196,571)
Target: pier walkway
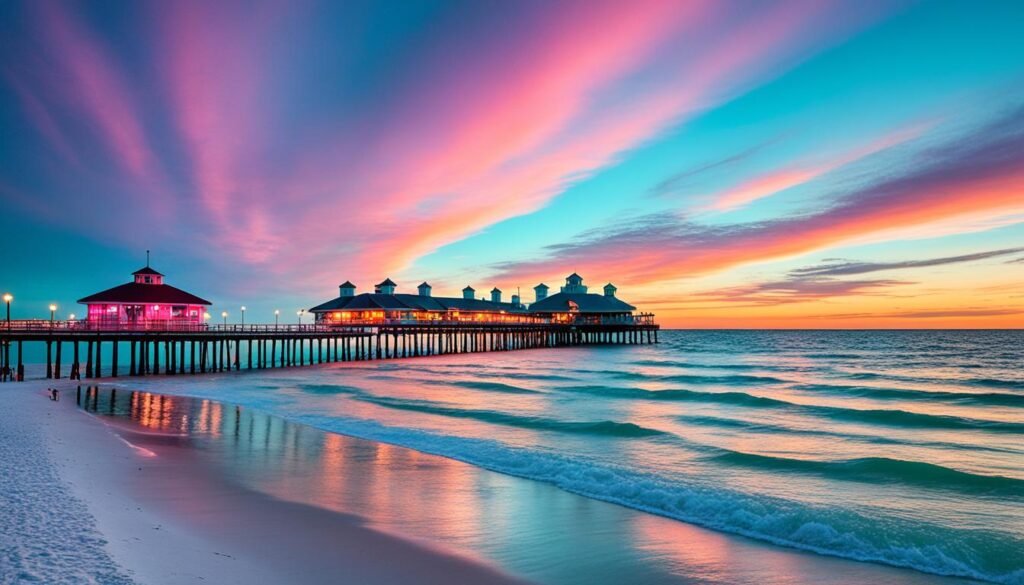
(175,349)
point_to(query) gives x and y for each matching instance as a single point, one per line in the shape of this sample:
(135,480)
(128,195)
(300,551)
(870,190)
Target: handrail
(171,326)
(44,325)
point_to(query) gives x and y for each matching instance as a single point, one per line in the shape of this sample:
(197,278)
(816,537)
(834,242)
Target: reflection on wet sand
(526,528)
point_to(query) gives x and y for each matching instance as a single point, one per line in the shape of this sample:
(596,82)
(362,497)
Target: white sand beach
(82,504)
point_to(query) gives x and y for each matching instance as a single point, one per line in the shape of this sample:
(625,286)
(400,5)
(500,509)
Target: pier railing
(76,325)
(641,319)
(66,326)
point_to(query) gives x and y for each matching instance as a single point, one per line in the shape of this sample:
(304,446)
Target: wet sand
(190,490)
(170,518)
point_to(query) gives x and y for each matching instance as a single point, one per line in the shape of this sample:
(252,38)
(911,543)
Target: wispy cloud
(798,290)
(779,180)
(683,179)
(933,313)
(88,81)
(981,172)
(841,268)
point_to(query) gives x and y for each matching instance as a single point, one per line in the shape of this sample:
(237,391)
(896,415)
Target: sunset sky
(792,164)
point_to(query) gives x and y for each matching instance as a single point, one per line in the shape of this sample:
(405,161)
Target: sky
(725,164)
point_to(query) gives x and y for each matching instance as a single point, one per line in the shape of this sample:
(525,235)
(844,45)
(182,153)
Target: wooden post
(56,363)
(113,359)
(75,374)
(49,360)
(131,358)
(88,359)
(144,361)
(156,357)
(98,368)
(169,358)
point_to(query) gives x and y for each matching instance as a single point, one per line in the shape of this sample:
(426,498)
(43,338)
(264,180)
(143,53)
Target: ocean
(903,448)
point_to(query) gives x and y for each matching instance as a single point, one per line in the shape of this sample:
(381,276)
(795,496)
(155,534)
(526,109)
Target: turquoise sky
(702,156)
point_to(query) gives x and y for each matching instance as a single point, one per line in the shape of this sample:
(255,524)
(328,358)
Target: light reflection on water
(525,527)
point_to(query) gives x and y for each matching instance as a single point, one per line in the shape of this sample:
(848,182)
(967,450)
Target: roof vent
(386,288)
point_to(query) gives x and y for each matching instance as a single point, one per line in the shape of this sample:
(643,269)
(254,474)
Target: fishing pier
(147,327)
(77,349)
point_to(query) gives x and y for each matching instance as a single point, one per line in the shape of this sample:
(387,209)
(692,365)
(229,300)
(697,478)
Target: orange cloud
(979,174)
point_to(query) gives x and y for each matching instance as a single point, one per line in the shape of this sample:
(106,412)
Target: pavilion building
(146,301)
(572,304)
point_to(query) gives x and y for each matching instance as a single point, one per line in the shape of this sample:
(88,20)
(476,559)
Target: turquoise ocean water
(901,448)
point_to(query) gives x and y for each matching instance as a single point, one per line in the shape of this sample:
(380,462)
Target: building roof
(371,301)
(134,292)
(424,285)
(574,275)
(541,285)
(387,282)
(347,284)
(495,289)
(587,303)
(610,285)
(147,270)
(468,288)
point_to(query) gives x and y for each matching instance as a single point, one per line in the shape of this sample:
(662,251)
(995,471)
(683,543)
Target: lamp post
(225,315)
(206,317)
(243,315)
(53,309)
(8,297)
(277,317)
(299,313)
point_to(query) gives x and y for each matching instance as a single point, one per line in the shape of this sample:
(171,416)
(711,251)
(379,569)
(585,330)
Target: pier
(183,349)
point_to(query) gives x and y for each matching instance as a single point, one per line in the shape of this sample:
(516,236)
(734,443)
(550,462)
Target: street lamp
(53,309)
(225,315)
(299,313)
(277,317)
(243,315)
(8,297)
(206,316)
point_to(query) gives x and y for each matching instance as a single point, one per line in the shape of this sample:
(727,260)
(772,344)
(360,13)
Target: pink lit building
(144,302)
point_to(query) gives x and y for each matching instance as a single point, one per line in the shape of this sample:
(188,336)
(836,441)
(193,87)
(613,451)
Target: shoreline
(154,533)
(142,491)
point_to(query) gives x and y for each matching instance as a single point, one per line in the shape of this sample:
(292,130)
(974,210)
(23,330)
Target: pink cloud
(91,82)
(779,180)
(531,133)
